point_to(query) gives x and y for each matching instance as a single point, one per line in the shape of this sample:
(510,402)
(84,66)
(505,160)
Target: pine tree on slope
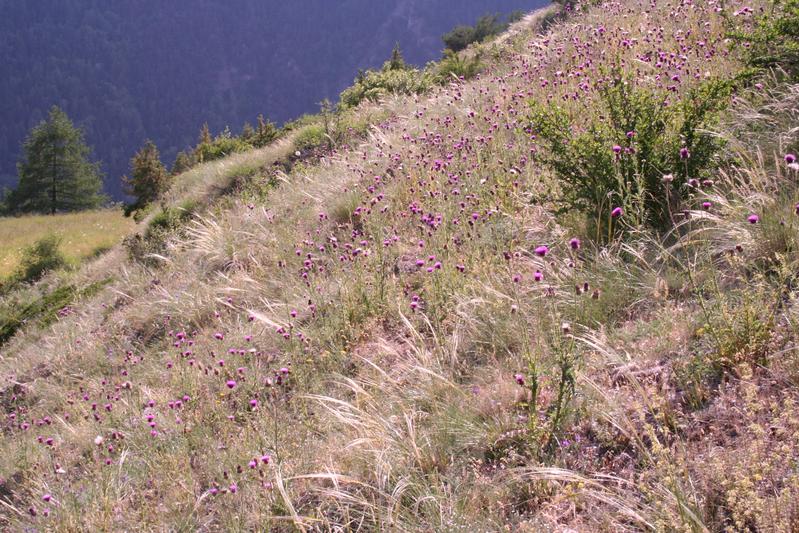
(55,173)
(150,178)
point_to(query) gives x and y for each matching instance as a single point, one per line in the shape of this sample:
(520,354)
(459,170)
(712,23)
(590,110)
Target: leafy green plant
(171,217)
(141,246)
(738,330)
(453,65)
(638,153)
(222,145)
(373,85)
(310,138)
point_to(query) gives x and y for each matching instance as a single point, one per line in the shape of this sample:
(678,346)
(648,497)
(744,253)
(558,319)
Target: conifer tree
(55,173)
(397,61)
(265,132)
(183,162)
(247,133)
(204,140)
(150,178)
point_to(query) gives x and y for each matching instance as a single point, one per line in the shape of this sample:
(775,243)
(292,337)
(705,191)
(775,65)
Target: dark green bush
(459,38)
(172,217)
(620,156)
(41,257)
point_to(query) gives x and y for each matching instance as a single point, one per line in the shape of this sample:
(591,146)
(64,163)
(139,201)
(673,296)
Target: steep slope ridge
(355,347)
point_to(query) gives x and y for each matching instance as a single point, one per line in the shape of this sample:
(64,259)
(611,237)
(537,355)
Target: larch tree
(55,173)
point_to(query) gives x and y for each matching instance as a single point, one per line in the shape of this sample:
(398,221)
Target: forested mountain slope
(130,70)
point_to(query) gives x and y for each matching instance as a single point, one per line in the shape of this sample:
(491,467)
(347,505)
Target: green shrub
(265,132)
(223,145)
(184,161)
(310,138)
(738,330)
(454,65)
(41,257)
(621,156)
(459,38)
(166,222)
(373,85)
(172,217)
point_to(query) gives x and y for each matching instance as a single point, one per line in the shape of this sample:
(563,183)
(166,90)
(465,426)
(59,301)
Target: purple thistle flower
(707,205)
(575,243)
(790,158)
(230,383)
(519,379)
(617,212)
(684,153)
(753,218)
(542,251)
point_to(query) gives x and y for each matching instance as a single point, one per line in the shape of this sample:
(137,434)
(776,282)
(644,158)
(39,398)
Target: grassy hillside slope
(428,328)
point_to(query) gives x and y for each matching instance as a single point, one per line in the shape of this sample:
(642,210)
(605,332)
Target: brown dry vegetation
(660,370)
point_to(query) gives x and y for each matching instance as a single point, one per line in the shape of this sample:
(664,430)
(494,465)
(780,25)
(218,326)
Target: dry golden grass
(82,234)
